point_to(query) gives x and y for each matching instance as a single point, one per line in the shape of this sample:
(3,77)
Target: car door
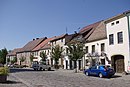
(93,70)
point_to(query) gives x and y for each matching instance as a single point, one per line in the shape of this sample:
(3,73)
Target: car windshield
(35,62)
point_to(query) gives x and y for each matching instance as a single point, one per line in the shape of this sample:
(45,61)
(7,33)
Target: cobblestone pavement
(12,82)
(65,78)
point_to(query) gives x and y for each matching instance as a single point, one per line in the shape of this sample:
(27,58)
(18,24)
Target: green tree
(31,58)
(75,52)
(56,54)
(22,59)
(3,54)
(8,60)
(14,60)
(43,56)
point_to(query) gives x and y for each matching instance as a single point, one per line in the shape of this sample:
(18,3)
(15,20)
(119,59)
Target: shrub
(4,70)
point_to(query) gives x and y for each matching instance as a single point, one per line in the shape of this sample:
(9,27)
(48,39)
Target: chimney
(75,32)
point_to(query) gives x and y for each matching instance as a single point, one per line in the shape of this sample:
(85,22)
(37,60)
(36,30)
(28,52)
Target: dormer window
(61,40)
(117,22)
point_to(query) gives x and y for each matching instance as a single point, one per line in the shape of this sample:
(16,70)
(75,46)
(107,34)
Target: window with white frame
(93,48)
(111,39)
(102,47)
(86,49)
(120,37)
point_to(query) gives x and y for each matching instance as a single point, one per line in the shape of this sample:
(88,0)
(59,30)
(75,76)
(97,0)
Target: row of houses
(106,41)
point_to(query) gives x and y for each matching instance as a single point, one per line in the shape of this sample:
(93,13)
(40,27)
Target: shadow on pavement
(10,82)
(116,76)
(14,70)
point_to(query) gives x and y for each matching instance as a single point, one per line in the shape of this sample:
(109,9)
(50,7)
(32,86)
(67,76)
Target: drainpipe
(128,20)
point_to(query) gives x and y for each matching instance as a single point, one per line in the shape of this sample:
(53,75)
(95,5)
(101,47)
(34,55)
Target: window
(102,47)
(117,22)
(111,39)
(93,48)
(120,37)
(61,40)
(48,52)
(112,24)
(86,49)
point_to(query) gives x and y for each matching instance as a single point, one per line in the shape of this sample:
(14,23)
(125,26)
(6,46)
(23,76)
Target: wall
(122,48)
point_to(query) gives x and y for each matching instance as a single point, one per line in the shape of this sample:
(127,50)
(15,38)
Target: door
(118,63)
(70,64)
(93,70)
(66,64)
(79,64)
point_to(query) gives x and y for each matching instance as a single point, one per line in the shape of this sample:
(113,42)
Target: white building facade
(118,42)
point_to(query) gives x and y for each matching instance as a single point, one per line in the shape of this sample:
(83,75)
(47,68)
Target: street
(61,78)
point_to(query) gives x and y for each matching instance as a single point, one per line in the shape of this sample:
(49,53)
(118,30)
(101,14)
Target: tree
(75,52)
(3,54)
(22,59)
(56,54)
(14,60)
(43,56)
(31,58)
(8,60)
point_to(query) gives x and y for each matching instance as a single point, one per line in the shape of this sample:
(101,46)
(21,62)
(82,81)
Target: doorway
(118,63)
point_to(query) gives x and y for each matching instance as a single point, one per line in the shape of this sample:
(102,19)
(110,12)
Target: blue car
(100,70)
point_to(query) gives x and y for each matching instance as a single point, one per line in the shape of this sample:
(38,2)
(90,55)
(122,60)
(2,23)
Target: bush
(4,70)
(3,74)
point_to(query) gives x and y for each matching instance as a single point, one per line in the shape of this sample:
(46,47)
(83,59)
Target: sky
(23,20)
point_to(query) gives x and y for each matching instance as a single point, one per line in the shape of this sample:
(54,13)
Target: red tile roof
(32,44)
(89,27)
(43,44)
(13,52)
(98,33)
(58,37)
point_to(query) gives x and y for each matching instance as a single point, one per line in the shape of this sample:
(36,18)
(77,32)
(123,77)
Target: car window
(93,67)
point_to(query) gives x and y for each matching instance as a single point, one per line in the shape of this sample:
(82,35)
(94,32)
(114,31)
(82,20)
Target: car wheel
(87,73)
(40,68)
(100,75)
(49,69)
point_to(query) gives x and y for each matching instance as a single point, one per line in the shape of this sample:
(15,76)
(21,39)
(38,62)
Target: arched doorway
(118,63)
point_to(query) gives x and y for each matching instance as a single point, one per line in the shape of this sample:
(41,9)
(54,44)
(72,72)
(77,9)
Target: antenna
(78,29)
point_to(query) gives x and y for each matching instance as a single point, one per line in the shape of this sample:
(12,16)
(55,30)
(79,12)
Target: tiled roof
(58,37)
(68,38)
(98,33)
(42,45)
(13,52)
(32,44)
(117,16)
(89,27)
(47,46)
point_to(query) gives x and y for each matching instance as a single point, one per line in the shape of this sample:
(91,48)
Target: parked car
(40,66)
(100,70)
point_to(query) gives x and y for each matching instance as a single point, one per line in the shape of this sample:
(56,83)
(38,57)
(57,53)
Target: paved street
(61,78)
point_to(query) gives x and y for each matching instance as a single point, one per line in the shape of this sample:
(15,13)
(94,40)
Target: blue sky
(23,20)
